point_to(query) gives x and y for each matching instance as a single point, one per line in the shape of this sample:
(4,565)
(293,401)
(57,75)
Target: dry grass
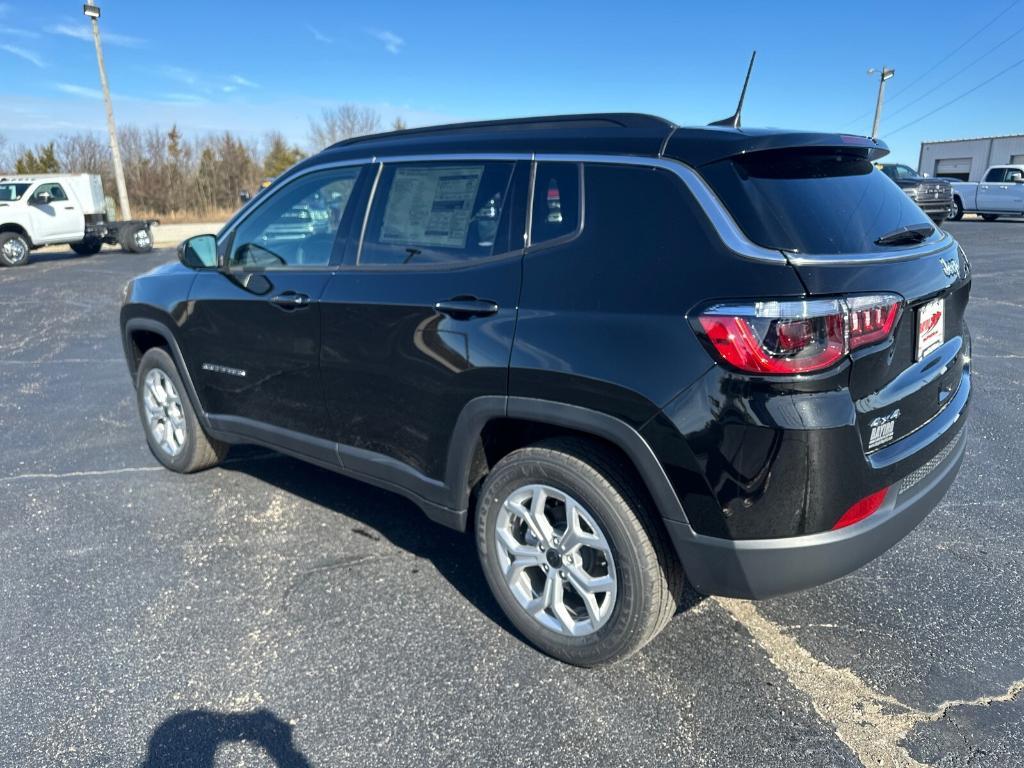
(187,217)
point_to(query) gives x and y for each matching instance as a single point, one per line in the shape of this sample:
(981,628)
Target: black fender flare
(163,330)
(481,410)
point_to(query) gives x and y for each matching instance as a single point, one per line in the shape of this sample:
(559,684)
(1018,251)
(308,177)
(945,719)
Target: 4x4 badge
(882,429)
(950,267)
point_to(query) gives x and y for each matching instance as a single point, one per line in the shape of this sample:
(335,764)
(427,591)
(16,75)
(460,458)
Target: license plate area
(931,327)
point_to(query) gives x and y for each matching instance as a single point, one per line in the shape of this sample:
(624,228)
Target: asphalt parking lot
(270,613)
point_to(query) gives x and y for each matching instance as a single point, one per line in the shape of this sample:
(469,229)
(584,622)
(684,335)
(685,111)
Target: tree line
(199,177)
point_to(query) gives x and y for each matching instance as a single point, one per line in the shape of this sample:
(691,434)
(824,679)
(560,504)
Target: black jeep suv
(623,351)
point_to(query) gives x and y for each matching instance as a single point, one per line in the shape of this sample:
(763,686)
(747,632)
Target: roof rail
(610,119)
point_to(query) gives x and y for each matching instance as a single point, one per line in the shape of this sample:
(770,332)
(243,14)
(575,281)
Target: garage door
(1016,159)
(954,167)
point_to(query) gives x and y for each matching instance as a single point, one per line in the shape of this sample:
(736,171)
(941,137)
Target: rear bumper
(758,568)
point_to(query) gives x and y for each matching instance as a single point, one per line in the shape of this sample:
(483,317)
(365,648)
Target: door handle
(69,207)
(463,307)
(291,300)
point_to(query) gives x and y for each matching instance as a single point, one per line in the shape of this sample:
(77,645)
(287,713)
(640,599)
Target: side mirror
(1018,179)
(42,198)
(199,252)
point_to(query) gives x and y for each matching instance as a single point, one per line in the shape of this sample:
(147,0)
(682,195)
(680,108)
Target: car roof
(609,133)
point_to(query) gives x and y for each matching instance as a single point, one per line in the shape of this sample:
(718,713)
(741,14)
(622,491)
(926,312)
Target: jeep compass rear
(624,353)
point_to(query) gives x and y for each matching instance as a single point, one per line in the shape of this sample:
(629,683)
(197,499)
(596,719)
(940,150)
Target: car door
(252,331)
(421,319)
(994,193)
(56,220)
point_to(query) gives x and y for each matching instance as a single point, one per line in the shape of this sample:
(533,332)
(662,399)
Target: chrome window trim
(722,221)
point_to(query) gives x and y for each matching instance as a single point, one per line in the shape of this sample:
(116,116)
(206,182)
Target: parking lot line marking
(870,723)
(79,473)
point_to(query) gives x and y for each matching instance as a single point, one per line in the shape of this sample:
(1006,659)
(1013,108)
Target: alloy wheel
(556,560)
(165,418)
(15,250)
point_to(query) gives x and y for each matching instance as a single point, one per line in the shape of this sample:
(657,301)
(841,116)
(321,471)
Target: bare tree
(398,124)
(6,162)
(342,123)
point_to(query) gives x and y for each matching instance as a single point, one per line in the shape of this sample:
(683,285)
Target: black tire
(136,238)
(958,209)
(197,450)
(14,249)
(990,216)
(649,578)
(88,247)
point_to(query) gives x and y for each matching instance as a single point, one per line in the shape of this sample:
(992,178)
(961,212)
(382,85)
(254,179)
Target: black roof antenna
(733,121)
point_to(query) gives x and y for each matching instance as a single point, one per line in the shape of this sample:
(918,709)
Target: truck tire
(597,578)
(88,247)
(172,428)
(958,209)
(136,238)
(14,249)
(990,216)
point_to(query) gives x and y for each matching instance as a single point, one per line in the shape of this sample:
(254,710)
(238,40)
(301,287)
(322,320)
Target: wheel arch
(17,229)
(468,459)
(140,334)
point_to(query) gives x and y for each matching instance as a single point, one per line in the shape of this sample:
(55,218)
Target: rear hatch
(849,231)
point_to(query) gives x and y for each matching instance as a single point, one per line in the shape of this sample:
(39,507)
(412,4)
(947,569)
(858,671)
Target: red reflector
(861,509)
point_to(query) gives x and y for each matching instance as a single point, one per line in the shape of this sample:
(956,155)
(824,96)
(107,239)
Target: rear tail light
(861,509)
(787,337)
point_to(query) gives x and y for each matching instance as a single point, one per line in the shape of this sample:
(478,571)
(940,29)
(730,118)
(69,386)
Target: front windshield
(10,192)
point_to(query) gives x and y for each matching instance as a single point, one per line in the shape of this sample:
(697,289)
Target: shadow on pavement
(190,739)
(380,513)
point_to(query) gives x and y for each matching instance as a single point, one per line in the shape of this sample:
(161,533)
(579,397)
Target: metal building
(968,159)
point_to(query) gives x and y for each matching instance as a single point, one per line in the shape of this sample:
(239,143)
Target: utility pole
(884,75)
(93,12)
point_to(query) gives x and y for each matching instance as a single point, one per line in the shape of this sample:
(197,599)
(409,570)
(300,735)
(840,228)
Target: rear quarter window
(820,202)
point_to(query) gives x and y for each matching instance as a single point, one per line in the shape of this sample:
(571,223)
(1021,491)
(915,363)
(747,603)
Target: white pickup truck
(62,210)
(1000,193)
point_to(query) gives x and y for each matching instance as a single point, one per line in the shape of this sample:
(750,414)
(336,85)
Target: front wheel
(14,249)
(173,431)
(573,554)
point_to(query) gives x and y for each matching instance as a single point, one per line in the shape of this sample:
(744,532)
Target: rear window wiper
(906,235)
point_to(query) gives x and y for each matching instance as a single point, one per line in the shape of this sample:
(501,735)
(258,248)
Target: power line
(941,61)
(930,91)
(968,92)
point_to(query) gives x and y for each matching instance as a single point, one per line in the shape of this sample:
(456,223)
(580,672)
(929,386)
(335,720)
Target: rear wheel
(88,247)
(14,249)
(958,209)
(573,554)
(990,216)
(137,238)
(173,431)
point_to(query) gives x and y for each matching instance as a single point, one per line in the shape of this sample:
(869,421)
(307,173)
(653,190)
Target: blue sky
(254,66)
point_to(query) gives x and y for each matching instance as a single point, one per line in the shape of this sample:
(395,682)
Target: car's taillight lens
(787,337)
(861,509)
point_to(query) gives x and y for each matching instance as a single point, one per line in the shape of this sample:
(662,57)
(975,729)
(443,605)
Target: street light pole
(93,12)
(884,75)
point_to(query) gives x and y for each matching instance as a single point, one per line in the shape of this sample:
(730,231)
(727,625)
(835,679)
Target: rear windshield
(823,202)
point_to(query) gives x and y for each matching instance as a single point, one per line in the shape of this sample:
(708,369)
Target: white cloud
(180,75)
(85,33)
(319,36)
(392,42)
(239,80)
(21,53)
(78,90)
(14,32)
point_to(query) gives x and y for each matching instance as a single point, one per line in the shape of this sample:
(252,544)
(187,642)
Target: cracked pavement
(271,613)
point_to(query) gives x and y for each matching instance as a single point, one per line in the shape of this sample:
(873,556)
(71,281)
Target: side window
(56,191)
(557,203)
(435,213)
(297,226)
(995,175)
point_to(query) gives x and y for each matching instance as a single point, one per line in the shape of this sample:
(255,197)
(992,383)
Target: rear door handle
(462,307)
(291,300)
